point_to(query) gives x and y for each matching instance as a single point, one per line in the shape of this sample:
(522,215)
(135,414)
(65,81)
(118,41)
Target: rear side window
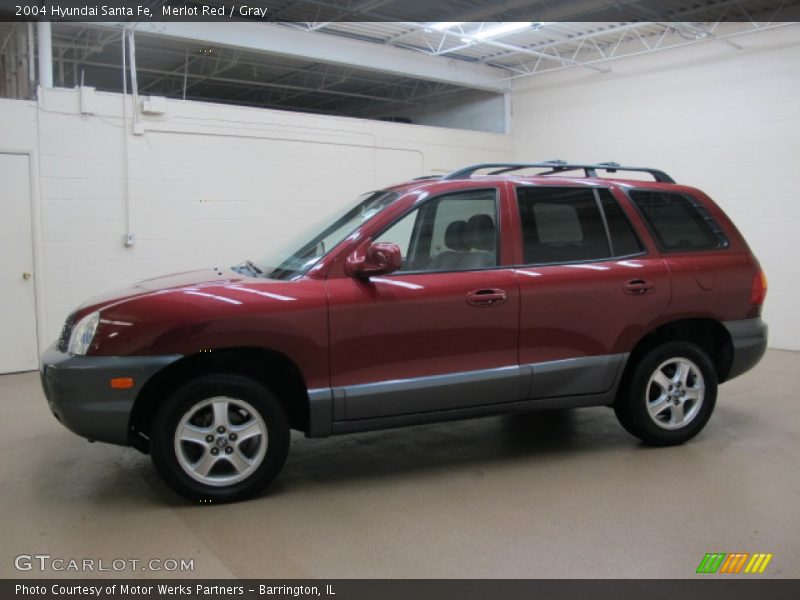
(561,225)
(678,223)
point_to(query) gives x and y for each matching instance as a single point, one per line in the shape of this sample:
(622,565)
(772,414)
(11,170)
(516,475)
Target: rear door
(711,274)
(588,288)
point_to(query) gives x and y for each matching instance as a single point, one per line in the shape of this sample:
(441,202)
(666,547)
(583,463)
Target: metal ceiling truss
(72,53)
(587,50)
(591,53)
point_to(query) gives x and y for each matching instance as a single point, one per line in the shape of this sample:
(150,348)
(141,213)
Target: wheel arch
(274,370)
(707,333)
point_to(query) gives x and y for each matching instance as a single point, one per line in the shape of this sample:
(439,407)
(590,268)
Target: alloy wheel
(675,393)
(221,441)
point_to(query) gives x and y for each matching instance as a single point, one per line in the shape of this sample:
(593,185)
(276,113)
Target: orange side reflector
(758,292)
(122,383)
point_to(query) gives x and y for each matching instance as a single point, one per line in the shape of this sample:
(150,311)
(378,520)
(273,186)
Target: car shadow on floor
(122,476)
(471,445)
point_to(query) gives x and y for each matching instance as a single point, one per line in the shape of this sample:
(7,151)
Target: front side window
(677,222)
(454,232)
(561,225)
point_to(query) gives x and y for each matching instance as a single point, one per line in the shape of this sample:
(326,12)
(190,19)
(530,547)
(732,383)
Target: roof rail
(557,166)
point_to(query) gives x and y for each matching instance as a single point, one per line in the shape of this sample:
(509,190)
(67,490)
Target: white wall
(17,125)
(724,120)
(210,185)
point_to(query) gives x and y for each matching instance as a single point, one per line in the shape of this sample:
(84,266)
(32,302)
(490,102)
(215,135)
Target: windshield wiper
(250,266)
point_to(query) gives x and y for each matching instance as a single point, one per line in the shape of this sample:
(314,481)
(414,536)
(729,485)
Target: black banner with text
(402,589)
(316,11)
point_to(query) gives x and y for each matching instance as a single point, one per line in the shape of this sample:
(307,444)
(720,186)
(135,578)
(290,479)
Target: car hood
(223,283)
(190,312)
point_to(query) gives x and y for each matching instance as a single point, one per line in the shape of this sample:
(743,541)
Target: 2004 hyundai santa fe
(441,298)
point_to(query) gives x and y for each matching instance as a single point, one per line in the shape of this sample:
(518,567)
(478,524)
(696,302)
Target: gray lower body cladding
(749,338)
(80,396)
(574,382)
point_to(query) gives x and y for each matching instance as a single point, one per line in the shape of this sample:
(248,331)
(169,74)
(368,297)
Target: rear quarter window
(678,222)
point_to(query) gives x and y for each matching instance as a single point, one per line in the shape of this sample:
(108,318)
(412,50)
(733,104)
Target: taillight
(759,290)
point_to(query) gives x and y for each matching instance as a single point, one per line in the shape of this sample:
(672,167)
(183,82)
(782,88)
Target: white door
(18,347)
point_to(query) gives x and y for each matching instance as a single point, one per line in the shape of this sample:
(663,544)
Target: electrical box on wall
(154,105)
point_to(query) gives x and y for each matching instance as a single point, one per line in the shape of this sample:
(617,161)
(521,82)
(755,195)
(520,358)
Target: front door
(439,334)
(589,290)
(18,346)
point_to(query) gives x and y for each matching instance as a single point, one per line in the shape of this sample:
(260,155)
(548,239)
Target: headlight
(83,334)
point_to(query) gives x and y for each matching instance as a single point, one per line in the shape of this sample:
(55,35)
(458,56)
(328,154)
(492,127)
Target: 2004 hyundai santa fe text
(441,298)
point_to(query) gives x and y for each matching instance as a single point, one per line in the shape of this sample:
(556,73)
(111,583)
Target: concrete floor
(557,494)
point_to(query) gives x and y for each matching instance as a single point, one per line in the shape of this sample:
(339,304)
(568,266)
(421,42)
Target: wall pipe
(129,237)
(134,80)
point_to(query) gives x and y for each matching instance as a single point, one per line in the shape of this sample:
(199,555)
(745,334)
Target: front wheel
(669,395)
(220,438)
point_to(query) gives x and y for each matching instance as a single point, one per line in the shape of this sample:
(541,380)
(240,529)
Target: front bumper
(80,396)
(749,337)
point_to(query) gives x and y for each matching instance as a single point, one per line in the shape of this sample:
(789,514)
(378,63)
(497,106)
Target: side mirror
(377,258)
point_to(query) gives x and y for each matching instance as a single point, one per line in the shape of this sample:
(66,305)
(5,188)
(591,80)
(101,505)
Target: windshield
(296,256)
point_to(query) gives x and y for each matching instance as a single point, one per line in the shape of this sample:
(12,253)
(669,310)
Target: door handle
(638,287)
(487,297)
(27,275)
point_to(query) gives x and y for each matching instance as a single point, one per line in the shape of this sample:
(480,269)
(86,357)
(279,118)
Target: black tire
(249,401)
(637,394)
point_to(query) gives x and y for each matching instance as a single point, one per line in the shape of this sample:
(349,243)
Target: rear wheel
(670,394)
(220,438)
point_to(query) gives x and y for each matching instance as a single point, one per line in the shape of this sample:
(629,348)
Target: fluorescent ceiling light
(445,25)
(499,29)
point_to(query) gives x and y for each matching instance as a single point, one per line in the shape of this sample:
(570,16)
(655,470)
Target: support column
(31,59)
(45,54)
(21,66)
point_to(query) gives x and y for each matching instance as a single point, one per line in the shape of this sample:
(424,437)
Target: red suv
(441,298)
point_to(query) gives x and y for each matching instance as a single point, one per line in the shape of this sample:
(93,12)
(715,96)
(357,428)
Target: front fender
(290,319)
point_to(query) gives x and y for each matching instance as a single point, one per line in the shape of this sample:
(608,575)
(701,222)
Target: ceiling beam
(292,43)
